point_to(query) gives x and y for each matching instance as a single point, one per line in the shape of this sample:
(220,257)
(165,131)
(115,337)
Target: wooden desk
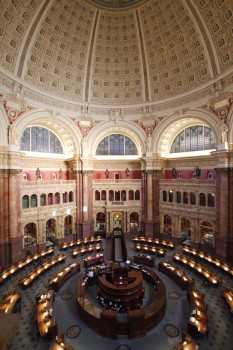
(9,302)
(207,257)
(198,320)
(81,243)
(45,321)
(31,276)
(93,260)
(144,260)
(59,278)
(67,245)
(180,277)
(227,295)
(138,322)
(149,249)
(60,344)
(208,276)
(154,242)
(6,273)
(124,294)
(187,343)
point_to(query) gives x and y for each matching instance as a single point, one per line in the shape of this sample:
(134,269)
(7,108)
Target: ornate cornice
(10,172)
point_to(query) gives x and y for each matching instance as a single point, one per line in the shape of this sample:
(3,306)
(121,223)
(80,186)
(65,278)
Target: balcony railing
(187,181)
(115,181)
(47,183)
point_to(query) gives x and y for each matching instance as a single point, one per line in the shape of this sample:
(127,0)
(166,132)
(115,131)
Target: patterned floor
(177,313)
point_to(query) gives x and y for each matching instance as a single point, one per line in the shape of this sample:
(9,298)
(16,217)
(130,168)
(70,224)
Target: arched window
(137,195)
(170,196)
(164,196)
(131,195)
(192,198)
(103,195)
(111,195)
(207,230)
(100,221)
(185,198)
(123,195)
(43,200)
(50,199)
(25,202)
(115,145)
(194,138)
(71,196)
(57,198)
(134,221)
(178,197)
(25,176)
(34,201)
(65,197)
(117,195)
(97,195)
(39,139)
(210,200)
(202,199)
(29,234)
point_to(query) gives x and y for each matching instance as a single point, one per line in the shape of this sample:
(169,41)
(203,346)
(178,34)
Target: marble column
(149,195)
(224,198)
(15,235)
(4,222)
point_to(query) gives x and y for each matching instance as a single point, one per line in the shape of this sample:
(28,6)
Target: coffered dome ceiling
(121,53)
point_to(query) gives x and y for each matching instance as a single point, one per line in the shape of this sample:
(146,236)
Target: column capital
(10,172)
(223,171)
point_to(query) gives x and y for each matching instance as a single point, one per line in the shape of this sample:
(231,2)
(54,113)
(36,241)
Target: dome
(129,54)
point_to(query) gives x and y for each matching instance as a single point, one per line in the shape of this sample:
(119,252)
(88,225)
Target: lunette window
(116,145)
(38,139)
(194,138)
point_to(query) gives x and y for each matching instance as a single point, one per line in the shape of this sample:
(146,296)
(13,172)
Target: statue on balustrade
(174,173)
(197,171)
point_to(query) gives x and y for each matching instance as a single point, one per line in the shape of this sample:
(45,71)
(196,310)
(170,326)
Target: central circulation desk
(127,293)
(137,321)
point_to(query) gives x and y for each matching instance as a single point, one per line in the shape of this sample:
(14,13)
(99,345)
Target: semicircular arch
(62,127)
(171,126)
(124,128)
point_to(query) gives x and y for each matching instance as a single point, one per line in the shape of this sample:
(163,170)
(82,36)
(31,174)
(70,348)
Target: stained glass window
(38,139)
(194,138)
(116,145)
